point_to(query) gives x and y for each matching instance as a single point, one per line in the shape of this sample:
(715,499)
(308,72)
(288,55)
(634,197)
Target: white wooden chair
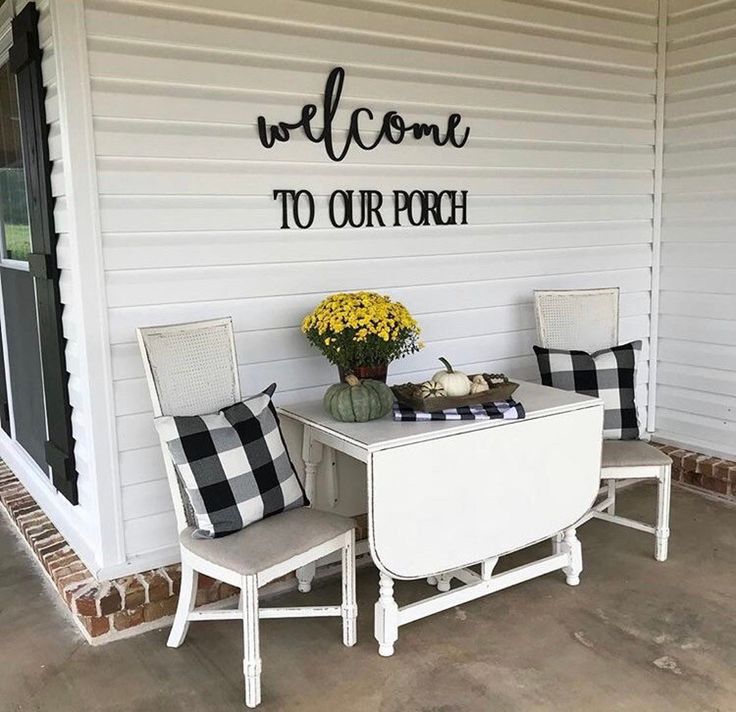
(192,370)
(587,320)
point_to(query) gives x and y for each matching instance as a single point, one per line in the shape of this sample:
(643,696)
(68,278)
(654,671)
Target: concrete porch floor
(635,635)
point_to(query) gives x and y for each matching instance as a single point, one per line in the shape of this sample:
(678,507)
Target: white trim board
(82,201)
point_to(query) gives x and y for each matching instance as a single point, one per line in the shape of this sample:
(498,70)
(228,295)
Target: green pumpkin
(358,401)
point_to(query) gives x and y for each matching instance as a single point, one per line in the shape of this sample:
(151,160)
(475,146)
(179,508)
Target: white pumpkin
(454,382)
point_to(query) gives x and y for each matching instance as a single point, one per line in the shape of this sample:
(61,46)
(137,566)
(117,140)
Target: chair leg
(251,642)
(349,605)
(663,514)
(611,492)
(572,544)
(557,543)
(185,605)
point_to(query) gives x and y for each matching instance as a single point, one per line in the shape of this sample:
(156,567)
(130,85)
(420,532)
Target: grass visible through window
(17,242)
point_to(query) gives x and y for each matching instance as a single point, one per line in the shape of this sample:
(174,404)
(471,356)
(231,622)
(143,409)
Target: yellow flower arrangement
(361,329)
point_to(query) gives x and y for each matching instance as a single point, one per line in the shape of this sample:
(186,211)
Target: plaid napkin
(501,410)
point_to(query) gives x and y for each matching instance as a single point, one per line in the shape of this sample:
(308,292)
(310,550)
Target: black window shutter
(25,62)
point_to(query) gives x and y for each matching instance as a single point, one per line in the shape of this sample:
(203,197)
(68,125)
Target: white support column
(386,617)
(657,213)
(94,402)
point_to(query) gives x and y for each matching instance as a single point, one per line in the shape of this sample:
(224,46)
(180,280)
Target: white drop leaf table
(445,496)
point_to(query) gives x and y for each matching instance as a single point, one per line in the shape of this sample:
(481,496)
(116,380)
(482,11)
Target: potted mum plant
(362,332)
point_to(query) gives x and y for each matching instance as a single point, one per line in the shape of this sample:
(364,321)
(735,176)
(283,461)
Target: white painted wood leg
(305,576)
(185,605)
(572,544)
(349,605)
(611,493)
(443,582)
(486,568)
(557,543)
(251,642)
(386,617)
(312,453)
(662,532)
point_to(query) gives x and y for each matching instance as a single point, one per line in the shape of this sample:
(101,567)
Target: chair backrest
(583,319)
(191,369)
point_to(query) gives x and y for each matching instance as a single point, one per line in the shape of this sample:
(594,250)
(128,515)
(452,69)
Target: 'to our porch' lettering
(365,208)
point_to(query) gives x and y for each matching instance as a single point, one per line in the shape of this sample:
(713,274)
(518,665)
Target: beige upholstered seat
(632,453)
(269,542)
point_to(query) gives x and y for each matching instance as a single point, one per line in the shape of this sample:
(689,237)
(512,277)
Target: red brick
(705,466)
(72,586)
(61,560)
(86,602)
(95,626)
(132,591)
(46,552)
(74,567)
(159,587)
(690,462)
(127,619)
(174,574)
(227,591)
(159,609)
(110,601)
(714,485)
(205,581)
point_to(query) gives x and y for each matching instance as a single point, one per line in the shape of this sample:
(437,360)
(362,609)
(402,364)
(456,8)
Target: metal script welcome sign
(366,208)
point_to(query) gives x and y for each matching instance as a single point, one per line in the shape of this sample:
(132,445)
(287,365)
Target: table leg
(386,617)
(312,455)
(571,544)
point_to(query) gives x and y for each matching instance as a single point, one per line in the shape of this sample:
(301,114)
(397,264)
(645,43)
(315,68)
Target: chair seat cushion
(632,453)
(270,541)
(233,465)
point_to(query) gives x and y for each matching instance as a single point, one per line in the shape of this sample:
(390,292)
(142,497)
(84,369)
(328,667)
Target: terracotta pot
(374,373)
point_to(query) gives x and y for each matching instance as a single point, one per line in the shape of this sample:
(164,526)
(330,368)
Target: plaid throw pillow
(233,465)
(608,374)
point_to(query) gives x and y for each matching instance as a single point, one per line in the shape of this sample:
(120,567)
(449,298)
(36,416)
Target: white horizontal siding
(559,169)
(696,377)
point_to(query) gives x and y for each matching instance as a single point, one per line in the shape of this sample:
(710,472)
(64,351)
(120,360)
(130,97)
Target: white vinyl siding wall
(559,97)
(696,392)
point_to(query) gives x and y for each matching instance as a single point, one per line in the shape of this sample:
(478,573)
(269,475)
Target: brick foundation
(103,609)
(710,474)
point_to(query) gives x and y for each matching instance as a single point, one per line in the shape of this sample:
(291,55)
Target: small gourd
(478,386)
(430,389)
(358,401)
(454,382)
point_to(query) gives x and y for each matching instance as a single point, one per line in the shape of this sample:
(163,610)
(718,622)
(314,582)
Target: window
(15,234)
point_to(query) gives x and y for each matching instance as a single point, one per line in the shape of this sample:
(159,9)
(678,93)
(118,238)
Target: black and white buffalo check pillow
(233,465)
(609,374)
